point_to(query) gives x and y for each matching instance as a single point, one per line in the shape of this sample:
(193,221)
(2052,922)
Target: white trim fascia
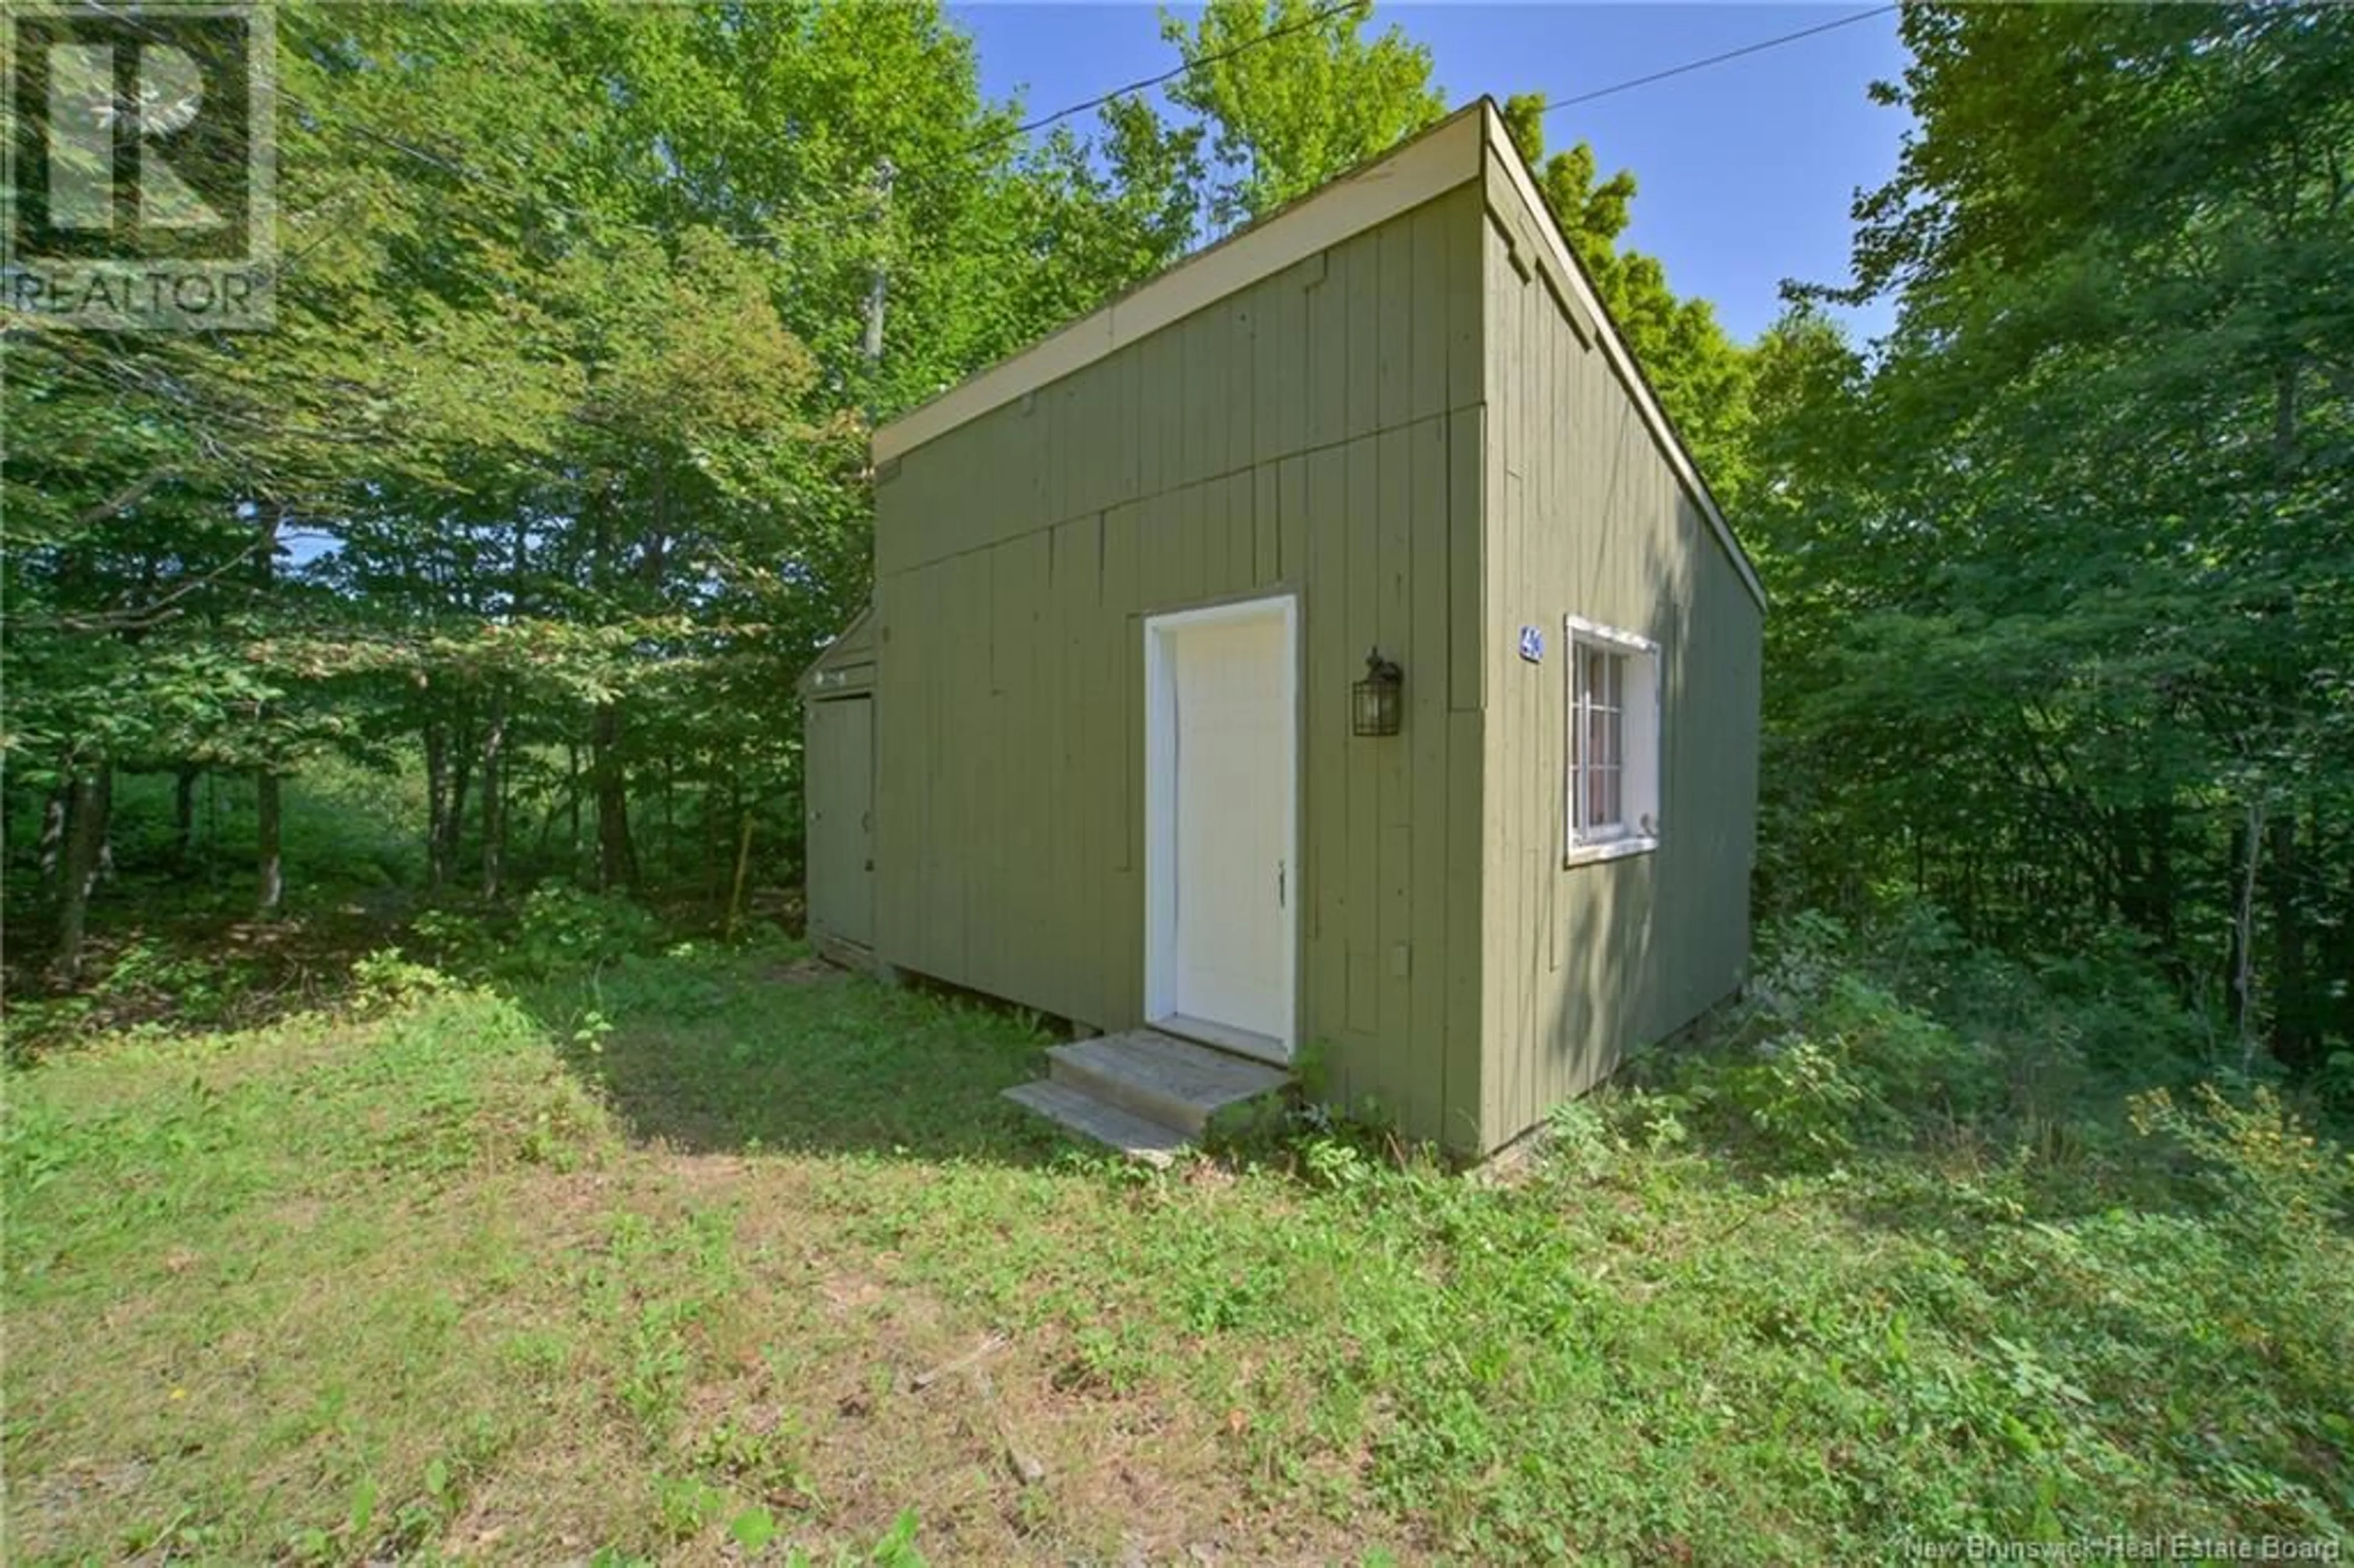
(1594,632)
(1516,169)
(1608,849)
(810,684)
(1450,154)
(1159,818)
(1250,608)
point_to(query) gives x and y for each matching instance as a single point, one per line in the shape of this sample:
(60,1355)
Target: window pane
(1597,784)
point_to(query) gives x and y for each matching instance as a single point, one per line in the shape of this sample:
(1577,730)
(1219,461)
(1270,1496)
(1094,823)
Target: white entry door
(1221,791)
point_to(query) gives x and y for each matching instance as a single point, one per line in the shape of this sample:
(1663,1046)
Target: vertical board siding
(1316,433)
(1397,1048)
(1363,760)
(1361,277)
(1266,526)
(1425,568)
(1325,806)
(1588,518)
(1326,351)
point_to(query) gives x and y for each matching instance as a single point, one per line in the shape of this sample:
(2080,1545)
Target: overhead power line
(1313,19)
(1762,45)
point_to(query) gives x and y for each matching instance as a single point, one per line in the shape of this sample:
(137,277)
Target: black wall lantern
(1379,700)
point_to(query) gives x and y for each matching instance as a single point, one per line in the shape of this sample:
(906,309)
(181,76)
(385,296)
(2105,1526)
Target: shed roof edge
(1450,154)
(1622,359)
(806,685)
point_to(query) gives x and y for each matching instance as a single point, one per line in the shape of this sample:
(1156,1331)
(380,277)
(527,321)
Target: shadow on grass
(729,1053)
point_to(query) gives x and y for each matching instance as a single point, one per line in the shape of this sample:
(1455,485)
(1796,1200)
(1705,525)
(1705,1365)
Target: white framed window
(1610,796)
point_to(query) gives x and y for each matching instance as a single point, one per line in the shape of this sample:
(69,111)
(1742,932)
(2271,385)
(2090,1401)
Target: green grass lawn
(718,1257)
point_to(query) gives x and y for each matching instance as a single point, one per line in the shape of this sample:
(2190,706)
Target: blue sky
(1746,170)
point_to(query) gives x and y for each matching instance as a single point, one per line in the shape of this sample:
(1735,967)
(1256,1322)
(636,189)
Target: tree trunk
(461,777)
(437,804)
(494,732)
(711,827)
(106,824)
(2144,894)
(2292,1011)
(736,811)
(212,828)
(54,813)
(878,286)
(670,819)
(269,878)
(735,894)
(2247,842)
(2284,420)
(546,829)
(494,809)
(183,813)
(271,882)
(617,860)
(572,801)
(2334,935)
(86,796)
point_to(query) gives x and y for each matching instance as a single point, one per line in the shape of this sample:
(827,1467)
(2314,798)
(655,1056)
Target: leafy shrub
(385,981)
(681,985)
(2224,1332)
(194,988)
(2333,1084)
(2280,1188)
(1334,1162)
(1799,1099)
(461,941)
(2118,1010)
(1579,1136)
(29,1026)
(1646,1118)
(559,928)
(563,926)
(1899,1031)
(1838,1060)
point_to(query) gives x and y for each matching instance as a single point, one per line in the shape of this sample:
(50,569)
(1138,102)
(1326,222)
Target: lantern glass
(1378,702)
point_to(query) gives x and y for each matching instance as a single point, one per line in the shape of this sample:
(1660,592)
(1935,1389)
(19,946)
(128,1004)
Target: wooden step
(1090,1118)
(1161,1078)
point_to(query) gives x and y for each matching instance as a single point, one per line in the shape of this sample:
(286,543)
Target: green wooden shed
(838,792)
(1327,650)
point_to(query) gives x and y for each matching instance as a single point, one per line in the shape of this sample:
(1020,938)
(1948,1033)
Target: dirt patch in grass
(44,1516)
(806,972)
